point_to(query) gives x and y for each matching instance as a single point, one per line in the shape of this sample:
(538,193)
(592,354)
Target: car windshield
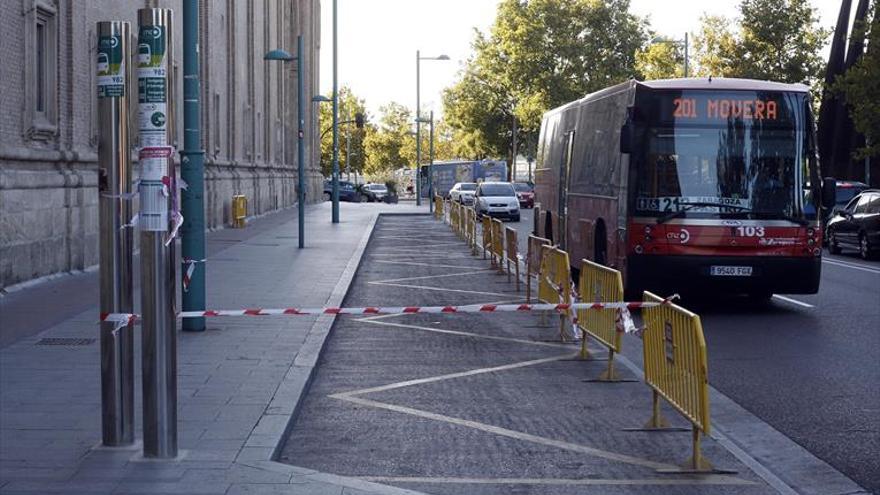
(521,187)
(499,189)
(844,194)
(378,187)
(468,186)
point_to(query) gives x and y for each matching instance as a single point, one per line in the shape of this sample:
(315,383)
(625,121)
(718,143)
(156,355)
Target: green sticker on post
(152,71)
(110,67)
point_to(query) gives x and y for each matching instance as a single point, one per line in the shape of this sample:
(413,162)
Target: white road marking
(440,378)
(504,432)
(416,247)
(793,301)
(466,334)
(712,479)
(423,254)
(432,276)
(430,265)
(849,264)
(440,289)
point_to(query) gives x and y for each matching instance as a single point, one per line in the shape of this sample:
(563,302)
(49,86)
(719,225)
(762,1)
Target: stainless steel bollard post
(114,186)
(157,219)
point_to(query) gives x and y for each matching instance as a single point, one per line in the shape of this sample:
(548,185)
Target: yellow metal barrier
(554,282)
(239,211)
(471,228)
(438,208)
(461,220)
(455,219)
(512,255)
(599,283)
(533,261)
(498,244)
(676,369)
(487,235)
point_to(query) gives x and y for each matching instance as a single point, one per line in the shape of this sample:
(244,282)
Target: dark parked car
(857,225)
(375,192)
(845,191)
(526,194)
(347,192)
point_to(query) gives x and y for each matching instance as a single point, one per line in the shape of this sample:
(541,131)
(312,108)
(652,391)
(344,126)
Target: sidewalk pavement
(239,382)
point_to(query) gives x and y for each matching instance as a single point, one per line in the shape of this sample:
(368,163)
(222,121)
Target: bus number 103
(685,108)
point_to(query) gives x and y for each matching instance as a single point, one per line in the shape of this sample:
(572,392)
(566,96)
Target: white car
(497,199)
(463,192)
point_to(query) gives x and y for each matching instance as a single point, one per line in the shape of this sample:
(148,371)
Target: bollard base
(139,457)
(118,448)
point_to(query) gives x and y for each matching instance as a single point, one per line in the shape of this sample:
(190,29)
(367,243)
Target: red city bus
(686,185)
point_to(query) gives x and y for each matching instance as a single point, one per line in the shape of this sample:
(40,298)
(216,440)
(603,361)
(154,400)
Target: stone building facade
(49,126)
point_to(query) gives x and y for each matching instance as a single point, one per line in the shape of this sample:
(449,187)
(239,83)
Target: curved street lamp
(285,56)
(419,58)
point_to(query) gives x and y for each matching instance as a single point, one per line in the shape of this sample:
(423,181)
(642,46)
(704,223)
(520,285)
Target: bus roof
(722,83)
(691,83)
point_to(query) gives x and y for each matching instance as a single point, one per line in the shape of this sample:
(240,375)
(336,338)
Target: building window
(216,124)
(41,63)
(40,105)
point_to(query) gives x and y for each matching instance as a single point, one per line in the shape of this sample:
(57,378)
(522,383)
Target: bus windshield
(716,156)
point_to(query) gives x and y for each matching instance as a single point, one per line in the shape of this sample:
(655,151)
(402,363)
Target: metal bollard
(114,187)
(158,196)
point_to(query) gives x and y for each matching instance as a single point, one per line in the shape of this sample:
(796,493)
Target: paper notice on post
(154,202)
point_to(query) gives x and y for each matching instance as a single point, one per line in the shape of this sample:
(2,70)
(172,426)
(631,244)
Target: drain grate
(68,341)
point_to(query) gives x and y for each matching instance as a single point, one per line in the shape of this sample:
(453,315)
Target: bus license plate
(730,271)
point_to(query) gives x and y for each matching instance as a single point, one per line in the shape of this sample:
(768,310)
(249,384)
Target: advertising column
(114,203)
(159,220)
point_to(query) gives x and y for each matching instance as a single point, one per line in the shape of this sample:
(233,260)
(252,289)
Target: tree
(662,59)
(349,105)
(860,87)
(715,48)
(538,54)
(384,146)
(777,40)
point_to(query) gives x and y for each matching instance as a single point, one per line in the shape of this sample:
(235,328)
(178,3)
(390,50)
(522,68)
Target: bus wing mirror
(829,192)
(626,138)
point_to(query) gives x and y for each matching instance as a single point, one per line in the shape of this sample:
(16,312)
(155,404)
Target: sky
(378,40)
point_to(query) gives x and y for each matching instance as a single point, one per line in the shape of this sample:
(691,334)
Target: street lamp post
(430,121)
(335,177)
(419,58)
(284,56)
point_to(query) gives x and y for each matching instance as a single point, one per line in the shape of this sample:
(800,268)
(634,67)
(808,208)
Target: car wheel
(833,246)
(864,248)
(515,219)
(362,199)
(327,196)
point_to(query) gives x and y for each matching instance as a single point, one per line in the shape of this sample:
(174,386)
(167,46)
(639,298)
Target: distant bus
(686,185)
(445,174)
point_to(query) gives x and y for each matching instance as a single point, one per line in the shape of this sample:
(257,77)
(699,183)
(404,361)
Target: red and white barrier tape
(124,319)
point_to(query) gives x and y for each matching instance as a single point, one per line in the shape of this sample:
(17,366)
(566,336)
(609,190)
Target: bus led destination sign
(724,108)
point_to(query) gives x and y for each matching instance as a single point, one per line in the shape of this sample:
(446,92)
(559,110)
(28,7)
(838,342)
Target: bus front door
(564,176)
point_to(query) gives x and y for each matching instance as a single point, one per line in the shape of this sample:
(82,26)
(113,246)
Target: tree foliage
(860,87)
(349,105)
(391,143)
(538,54)
(777,40)
(662,59)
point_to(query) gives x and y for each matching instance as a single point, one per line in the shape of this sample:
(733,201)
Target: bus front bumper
(688,274)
